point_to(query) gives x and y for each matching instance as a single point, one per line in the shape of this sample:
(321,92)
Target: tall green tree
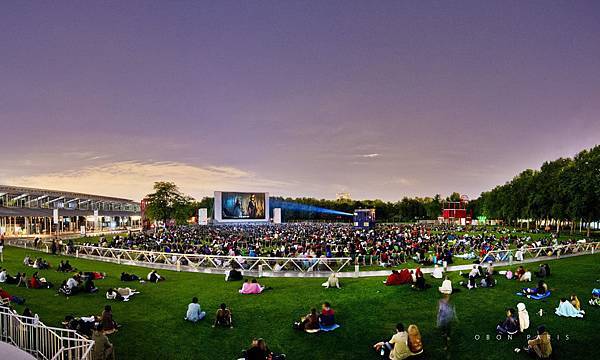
(168,203)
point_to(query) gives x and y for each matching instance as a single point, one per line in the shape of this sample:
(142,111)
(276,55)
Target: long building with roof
(31,211)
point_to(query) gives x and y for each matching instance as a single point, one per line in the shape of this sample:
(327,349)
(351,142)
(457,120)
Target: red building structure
(455,212)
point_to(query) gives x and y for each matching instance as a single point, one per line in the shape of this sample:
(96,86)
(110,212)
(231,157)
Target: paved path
(8,351)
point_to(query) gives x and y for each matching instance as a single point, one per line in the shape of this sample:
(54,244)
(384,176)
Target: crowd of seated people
(386,245)
(38,263)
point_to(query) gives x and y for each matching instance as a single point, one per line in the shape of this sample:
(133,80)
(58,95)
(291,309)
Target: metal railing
(550,251)
(195,262)
(41,341)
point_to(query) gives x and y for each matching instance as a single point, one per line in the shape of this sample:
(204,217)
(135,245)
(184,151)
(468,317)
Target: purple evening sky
(383,99)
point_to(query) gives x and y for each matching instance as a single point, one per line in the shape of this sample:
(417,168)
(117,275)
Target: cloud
(134,179)
(370,156)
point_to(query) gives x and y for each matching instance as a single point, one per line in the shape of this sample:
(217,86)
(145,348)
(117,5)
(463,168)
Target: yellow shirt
(401,350)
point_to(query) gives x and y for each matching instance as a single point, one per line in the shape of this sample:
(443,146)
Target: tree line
(562,192)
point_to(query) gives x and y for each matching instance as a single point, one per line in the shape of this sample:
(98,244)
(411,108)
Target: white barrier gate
(41,341)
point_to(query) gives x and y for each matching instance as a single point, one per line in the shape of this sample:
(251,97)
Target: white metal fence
(191,262)
(551,251)
(41,341)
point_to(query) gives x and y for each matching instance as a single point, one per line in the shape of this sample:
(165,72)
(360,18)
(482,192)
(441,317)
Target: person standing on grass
(194,313)
(446,315)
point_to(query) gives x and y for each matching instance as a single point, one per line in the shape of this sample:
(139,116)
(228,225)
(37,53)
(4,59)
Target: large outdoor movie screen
(243,206)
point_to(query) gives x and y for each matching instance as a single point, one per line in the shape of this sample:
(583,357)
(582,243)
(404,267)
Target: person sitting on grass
(415,342)
(22,279)
(523,317)
(309,323)
(259,351)
(332,281)
(510,325)
(27,261)
(540,346)
(129,277)
(398,346)
(154,277)
(103,349)
(41,264)
(3,275)
(488,281)
(89,287)
(420,281)
(35,282)
(106,319)
(437,272)
(73,283)
(575,302)
(251,287)
(223,317)
(233,274)
(565,308)
(446,287)
(519,272)
(541,289)
(595,300)
(393,279)
(327,317)
(194,313)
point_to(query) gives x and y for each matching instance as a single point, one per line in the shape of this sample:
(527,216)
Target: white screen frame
(218,206)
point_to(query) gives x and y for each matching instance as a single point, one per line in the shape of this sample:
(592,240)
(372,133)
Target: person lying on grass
(154,277)
(510,325)
(13,299)
(223,317)
(194,313)
(541,289)
(309,323)
(121,294)
(129,277)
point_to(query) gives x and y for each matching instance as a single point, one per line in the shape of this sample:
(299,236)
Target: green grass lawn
(154,327)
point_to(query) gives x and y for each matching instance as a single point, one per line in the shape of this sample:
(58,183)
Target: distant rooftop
(37,191)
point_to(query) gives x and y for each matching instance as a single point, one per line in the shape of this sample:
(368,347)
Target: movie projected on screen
(241,206)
